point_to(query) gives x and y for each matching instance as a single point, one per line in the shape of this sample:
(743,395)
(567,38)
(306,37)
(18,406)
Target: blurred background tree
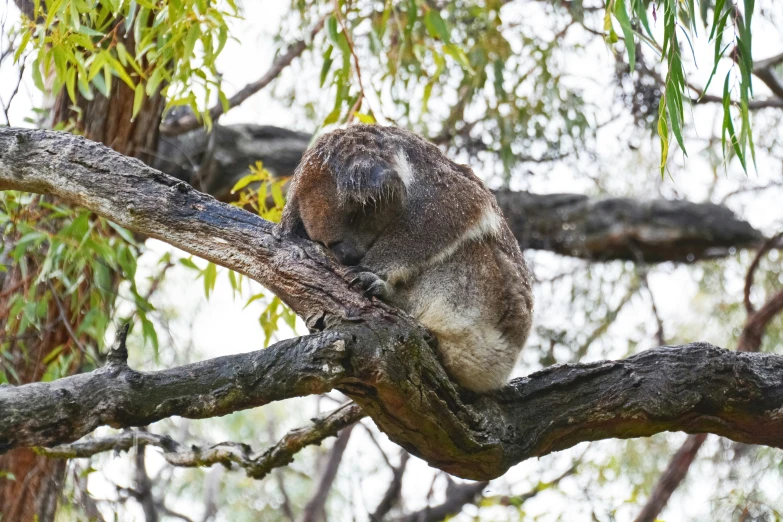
(591,99)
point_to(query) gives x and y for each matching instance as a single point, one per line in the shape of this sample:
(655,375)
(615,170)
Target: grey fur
(424,234)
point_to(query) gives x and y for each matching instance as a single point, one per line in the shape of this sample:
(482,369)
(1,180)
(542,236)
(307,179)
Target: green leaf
(436,26)
(253,298)
(53,354)
(459,56)
(188,262)
(331,29)
(154,81)
(663,133)
(138,99)
(210,277)
(717,16)
(37,78)
(364,118)
(116,67)
(70,84)
(327,65)
(149,333)
(190,40)
(22,45)
(621,15)
(728,126)
(243,182)
(129,17)
(675,116)
(332,116)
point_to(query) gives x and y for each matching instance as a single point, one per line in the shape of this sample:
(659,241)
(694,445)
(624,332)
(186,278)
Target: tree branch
(762,251)
(457,495)
(148,202)
(754,105)
(671,478)
(393,491)
(764,70)
(190,121)
(375,354)
(693,388)
(624,228)
(226,453)
(44,414)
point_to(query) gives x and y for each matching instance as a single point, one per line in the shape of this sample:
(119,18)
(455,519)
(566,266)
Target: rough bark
(213,162)
(623,228)
(388,367)
(569,224)
(118,396)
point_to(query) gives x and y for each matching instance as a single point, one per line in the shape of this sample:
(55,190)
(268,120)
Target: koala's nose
(346,254)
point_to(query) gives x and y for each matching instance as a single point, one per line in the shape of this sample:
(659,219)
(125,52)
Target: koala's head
(348,189)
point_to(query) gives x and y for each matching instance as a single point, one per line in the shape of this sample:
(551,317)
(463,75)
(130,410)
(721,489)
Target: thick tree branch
(44,414)
(693,388)
(624,228)
(190,122)
(569,224)
(376,355)
(257,466)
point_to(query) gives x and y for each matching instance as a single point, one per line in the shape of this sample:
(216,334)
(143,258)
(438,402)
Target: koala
(421,233)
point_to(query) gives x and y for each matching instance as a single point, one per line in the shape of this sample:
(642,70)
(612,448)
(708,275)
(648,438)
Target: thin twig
(766,247)
(341,20)
(755,188)
(660,336)
(226,453)
(64,319)
(671,478)
(392,495)
(317,503)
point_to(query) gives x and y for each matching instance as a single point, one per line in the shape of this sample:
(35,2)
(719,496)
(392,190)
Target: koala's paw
(372,284)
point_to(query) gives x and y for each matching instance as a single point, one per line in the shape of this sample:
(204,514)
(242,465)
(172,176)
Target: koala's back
(478,303)
(434,235)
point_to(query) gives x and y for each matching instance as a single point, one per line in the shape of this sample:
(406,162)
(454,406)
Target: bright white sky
(222,326)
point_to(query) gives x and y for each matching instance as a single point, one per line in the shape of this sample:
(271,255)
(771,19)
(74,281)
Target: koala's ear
(369,180)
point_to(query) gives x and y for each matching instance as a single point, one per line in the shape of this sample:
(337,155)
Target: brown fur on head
(345,203)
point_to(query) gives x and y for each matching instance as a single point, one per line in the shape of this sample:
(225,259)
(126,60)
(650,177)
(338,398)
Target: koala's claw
(372,284)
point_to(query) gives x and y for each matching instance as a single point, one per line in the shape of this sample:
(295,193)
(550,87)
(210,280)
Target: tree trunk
(30,485)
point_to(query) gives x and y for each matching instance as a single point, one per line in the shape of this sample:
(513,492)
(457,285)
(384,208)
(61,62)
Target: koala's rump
(478,306)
